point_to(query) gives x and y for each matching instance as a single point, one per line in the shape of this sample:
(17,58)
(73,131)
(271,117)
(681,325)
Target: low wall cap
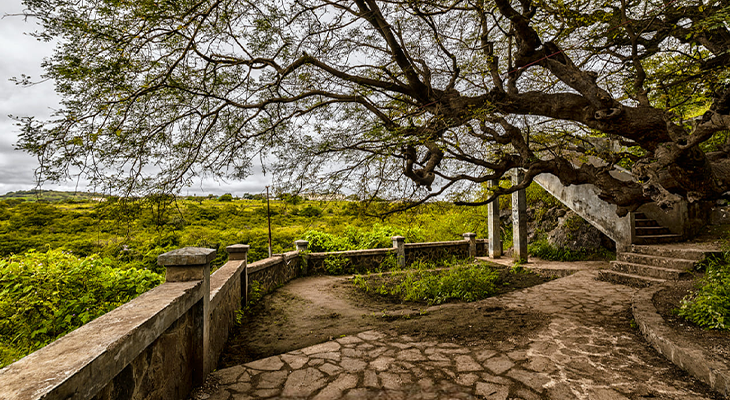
(301,242)
(238,248)
(398,238)
(470,234)
(187,256)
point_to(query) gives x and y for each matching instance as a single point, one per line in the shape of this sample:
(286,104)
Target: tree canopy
(413,98)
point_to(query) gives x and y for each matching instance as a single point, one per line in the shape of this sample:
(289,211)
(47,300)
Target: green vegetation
(255,293)
(135,231)
(46,295)
(466,282)
(353,238)
(542,249)
(709,307)
(336,265)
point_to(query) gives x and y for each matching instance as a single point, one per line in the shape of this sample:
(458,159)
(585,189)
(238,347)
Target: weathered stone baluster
(238,252)
(302,246)
(399,244)
(192,264)
(472,239)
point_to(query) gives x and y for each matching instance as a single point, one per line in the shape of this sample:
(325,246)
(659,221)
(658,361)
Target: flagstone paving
(580,354)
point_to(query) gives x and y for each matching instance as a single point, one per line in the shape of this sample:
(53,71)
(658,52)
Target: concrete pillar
(472,239)
(302,246)
(519,220)
(495,226)
(193,264)
(238,252)
(399,244)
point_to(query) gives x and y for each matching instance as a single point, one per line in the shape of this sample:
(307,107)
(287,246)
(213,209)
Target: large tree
(408,97)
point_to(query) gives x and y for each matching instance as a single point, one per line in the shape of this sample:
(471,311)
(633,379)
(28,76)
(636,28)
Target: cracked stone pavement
(579,354)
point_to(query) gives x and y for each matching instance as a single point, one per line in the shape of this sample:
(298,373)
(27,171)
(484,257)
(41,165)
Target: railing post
(495,230)
(193,264)
(472,239)
(519,219)
(302,246)
(399,244)
(238,252)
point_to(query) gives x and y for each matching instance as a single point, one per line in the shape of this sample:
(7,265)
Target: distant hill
(50,195)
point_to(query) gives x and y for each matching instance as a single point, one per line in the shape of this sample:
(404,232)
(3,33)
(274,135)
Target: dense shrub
(709,307)
(354,238)
(463,282)
(46,295)
(310,211)
(326,242)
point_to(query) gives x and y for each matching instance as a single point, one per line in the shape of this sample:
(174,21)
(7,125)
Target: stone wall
(363,261)
(436,251)
(360,261)
(158,346)
(141,350)
(162,371)
(225,299)
(273,272)
(482,247)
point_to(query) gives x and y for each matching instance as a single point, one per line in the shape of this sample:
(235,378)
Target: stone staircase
(648,264)
(648,231)
(655,254)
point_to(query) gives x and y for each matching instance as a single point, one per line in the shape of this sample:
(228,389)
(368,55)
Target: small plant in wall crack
(255,293)
(336,265)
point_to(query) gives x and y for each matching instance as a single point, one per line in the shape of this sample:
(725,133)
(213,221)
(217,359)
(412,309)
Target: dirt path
(570,338)
(315,309)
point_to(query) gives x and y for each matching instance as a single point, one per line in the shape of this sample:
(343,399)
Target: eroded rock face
(542,221)
(574,233)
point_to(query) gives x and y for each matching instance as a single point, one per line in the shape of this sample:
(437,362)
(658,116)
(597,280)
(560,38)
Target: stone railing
(158,346)
(165,342)
(404,253)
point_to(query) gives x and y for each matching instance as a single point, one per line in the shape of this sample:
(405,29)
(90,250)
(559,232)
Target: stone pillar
(399,244)
(239,252)
(519,220)
(302,246)
(495,226)
(193,264)
(472,239)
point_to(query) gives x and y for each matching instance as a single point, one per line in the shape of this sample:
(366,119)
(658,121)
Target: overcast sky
(22,54)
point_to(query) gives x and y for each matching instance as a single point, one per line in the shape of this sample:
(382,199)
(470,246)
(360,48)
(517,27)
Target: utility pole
(268,217)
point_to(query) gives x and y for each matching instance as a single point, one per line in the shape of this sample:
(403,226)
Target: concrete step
(680,264)
(627,279)
(645,222)
(648,270)
(656,239)
(651,231)
(640,215)
(673,252)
